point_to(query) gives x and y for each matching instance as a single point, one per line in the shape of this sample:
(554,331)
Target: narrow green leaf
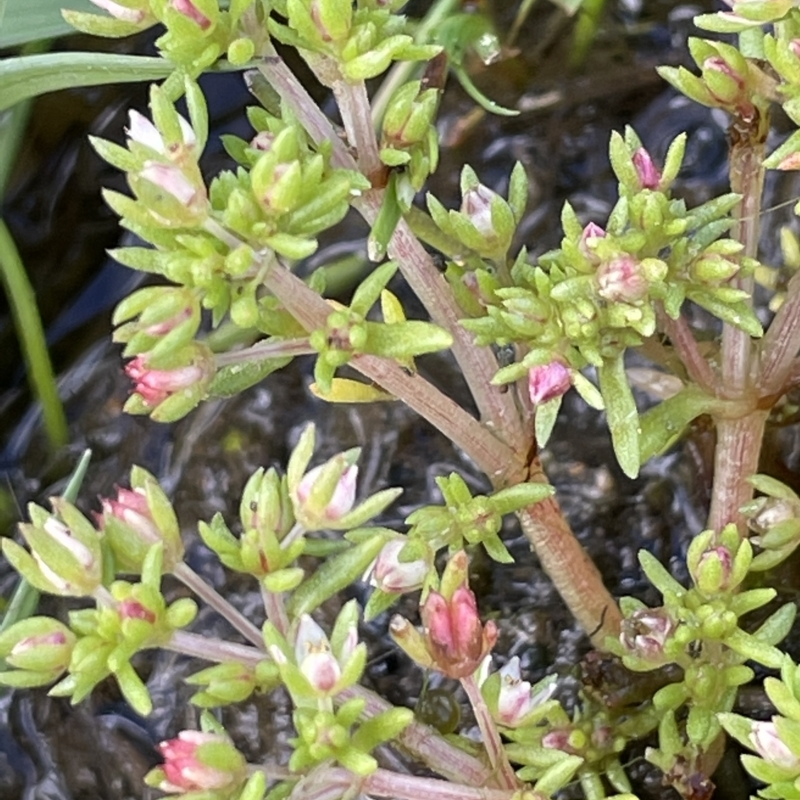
(623,419)
(29,76)
(33,20)
(336,574)
(662,425)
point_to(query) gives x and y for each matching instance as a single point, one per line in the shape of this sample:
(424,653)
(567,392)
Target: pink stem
(208,594)
(491,738)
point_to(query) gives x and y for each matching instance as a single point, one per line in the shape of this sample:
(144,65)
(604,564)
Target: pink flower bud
(455,637)
(314,657)
(52,639)
(154,385)
(645,633)
(514,701)
(192,12)
(719,64)
(171,180)
(591,232)
(133,609)
(135,15)
(621,280)
(649,175)
(476,205)
(392,575)
(182,769)
(262,141)
(713,571)
(43,653)
(768,744)
(343,497)
(131,507)
(559,740)
(794,46)
(548,381)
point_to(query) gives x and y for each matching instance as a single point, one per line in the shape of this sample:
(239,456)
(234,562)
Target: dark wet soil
(101,749)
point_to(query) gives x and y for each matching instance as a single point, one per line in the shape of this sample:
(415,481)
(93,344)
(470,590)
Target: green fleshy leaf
(558,776)
(658,575)
(777,626)
(335,574)
(623,418)
(664,424)
(233,379)
(404,340)
(545,420)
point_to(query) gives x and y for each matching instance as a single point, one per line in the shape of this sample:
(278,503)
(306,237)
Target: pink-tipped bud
(591,232)
(133,609)
(189,10)
(713,571)
(649,174)
(38,644)
(622,280)
(719,64)
(314,657)
(456,639)
(184,772)
(155,385)
(262,141)
(548,381)
(768,744)
(134,15)
(476,205)
(392,575)
(132,508)
(343,497)
(794,46)
(170,179)
(645,632)
(514,702)
(559,740)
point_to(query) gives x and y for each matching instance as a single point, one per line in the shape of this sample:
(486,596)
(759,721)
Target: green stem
(29,328)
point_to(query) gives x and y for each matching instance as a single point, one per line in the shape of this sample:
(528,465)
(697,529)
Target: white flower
(141,130)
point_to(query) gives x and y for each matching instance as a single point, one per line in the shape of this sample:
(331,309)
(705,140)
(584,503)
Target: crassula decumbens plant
(233,310)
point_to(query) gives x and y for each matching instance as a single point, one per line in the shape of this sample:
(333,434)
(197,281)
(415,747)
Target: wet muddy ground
(101,749)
